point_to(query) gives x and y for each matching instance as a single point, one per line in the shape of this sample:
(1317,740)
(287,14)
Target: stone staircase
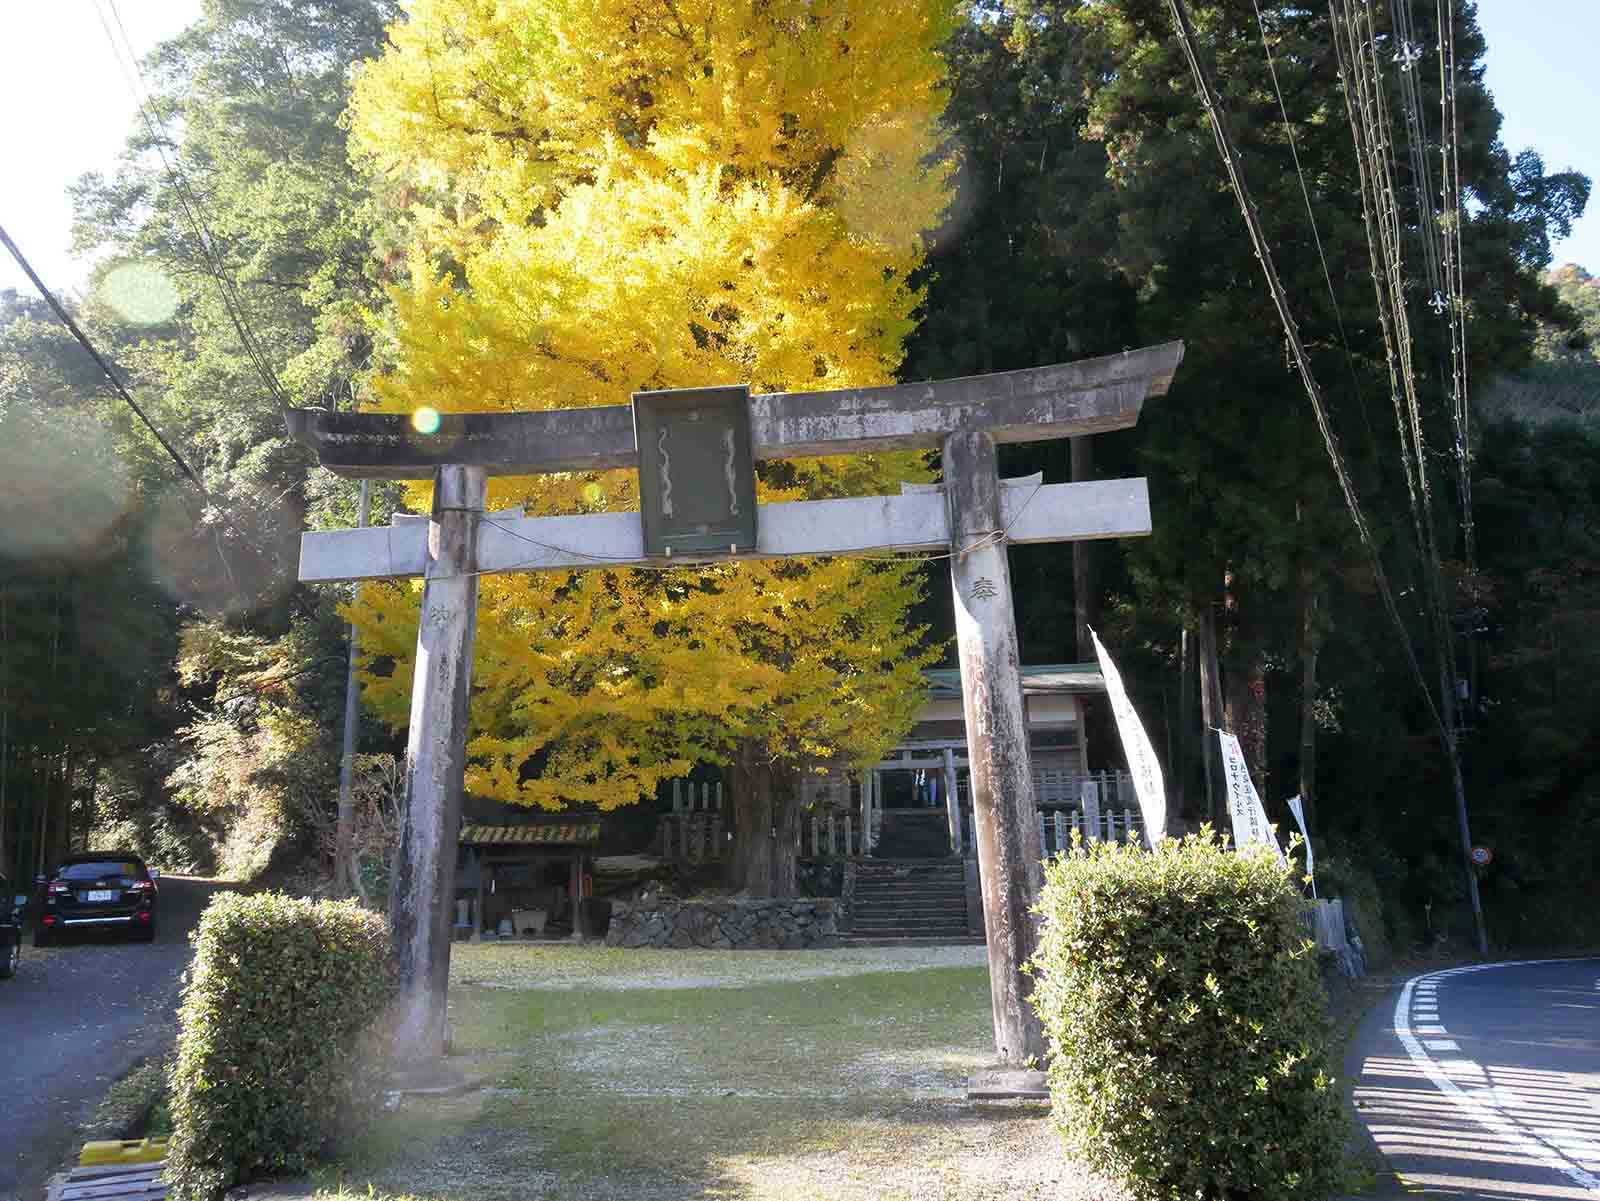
(913,834)
(909,902)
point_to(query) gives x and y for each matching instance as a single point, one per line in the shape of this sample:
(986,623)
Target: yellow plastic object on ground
(140,1150)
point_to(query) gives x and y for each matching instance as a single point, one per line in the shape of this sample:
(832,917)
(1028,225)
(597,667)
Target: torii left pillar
(435,764)
(998,760)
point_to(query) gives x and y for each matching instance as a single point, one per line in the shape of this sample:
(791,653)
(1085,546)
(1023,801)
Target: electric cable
(1263,252)
(190,206)
(1305,195)
(1280,301)
(1360,47)
(100,359)
(1455,285)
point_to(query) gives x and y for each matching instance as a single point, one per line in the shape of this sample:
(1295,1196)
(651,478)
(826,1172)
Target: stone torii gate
(974,514)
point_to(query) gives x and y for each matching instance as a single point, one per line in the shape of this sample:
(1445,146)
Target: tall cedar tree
(608,196)
(243,136)
(1251,525)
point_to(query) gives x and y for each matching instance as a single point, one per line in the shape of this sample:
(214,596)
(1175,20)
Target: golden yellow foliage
(607,196)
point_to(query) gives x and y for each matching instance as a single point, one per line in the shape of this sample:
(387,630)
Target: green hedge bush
(276,1052)
(1184,1015)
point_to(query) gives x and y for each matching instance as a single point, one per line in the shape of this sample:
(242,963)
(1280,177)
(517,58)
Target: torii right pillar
(1010,857)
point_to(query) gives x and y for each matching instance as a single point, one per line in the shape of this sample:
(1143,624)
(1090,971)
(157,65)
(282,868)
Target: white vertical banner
(1298,809)
(1244,803)
(1148,783)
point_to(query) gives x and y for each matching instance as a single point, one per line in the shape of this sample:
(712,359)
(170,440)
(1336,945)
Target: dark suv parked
(10,929)
(101,890)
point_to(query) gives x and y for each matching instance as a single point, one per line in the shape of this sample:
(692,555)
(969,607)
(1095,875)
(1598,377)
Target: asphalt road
(75,1018)
(1483,1082)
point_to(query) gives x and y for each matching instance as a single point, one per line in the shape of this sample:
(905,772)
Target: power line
(1305,191)
(100,359)
(1263,251)
(1455,286)
(1407,56)
(192,211)
(1316,233)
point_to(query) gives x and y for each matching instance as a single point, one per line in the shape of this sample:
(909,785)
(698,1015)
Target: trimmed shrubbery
(1181,1002)
(274,1056)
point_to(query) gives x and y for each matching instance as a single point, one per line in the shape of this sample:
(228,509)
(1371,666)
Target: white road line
(1538,1149)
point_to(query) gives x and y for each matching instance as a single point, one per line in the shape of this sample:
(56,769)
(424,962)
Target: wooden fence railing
(830,837)
(1055,829)
(699,836)
(696,830)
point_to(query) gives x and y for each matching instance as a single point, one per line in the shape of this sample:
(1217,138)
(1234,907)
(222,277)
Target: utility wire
(189,204)
(1455,286)
(1361,68)
(1263,251)
(100,359)
(1440,227)
(116,383)
(1359,46)
(1407,57)
(1305,191)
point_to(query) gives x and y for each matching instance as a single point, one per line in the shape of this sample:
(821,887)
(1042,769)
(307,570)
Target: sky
(69,106)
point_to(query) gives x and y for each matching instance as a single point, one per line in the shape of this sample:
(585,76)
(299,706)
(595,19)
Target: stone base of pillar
(1008,1084)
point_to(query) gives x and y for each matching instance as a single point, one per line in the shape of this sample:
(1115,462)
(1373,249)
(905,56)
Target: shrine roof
(1043,679)
(533,834)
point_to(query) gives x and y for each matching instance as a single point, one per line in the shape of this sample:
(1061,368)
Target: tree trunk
(1210,712)
(765,803)
(751,804)
(1310,644)
(1083,557)
(786,827)
(1181,782)
(1245,686)
(91,802)
(39,775)
(1246,692)
(68,770)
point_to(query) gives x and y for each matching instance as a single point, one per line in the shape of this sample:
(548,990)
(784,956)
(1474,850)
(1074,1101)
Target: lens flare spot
(425,420)
(232,557)
(139,293)
(594,494)
(63,485)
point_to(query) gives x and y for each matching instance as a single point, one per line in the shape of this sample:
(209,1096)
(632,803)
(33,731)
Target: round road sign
(1482,856)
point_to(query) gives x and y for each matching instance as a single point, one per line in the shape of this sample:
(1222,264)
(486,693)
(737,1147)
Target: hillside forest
(347,204)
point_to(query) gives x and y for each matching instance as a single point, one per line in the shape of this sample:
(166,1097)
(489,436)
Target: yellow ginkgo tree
(607,196)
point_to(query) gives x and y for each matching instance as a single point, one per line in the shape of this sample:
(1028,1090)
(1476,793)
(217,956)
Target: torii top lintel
(1090,396)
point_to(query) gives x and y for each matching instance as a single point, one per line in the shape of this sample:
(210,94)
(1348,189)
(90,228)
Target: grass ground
(658,1076)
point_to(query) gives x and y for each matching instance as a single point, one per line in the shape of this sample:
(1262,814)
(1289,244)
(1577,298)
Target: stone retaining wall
(726,925)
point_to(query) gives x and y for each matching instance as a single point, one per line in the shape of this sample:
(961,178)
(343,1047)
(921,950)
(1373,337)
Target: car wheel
(13,957)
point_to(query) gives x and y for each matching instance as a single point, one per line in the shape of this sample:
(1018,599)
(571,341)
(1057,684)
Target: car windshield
(99,869)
